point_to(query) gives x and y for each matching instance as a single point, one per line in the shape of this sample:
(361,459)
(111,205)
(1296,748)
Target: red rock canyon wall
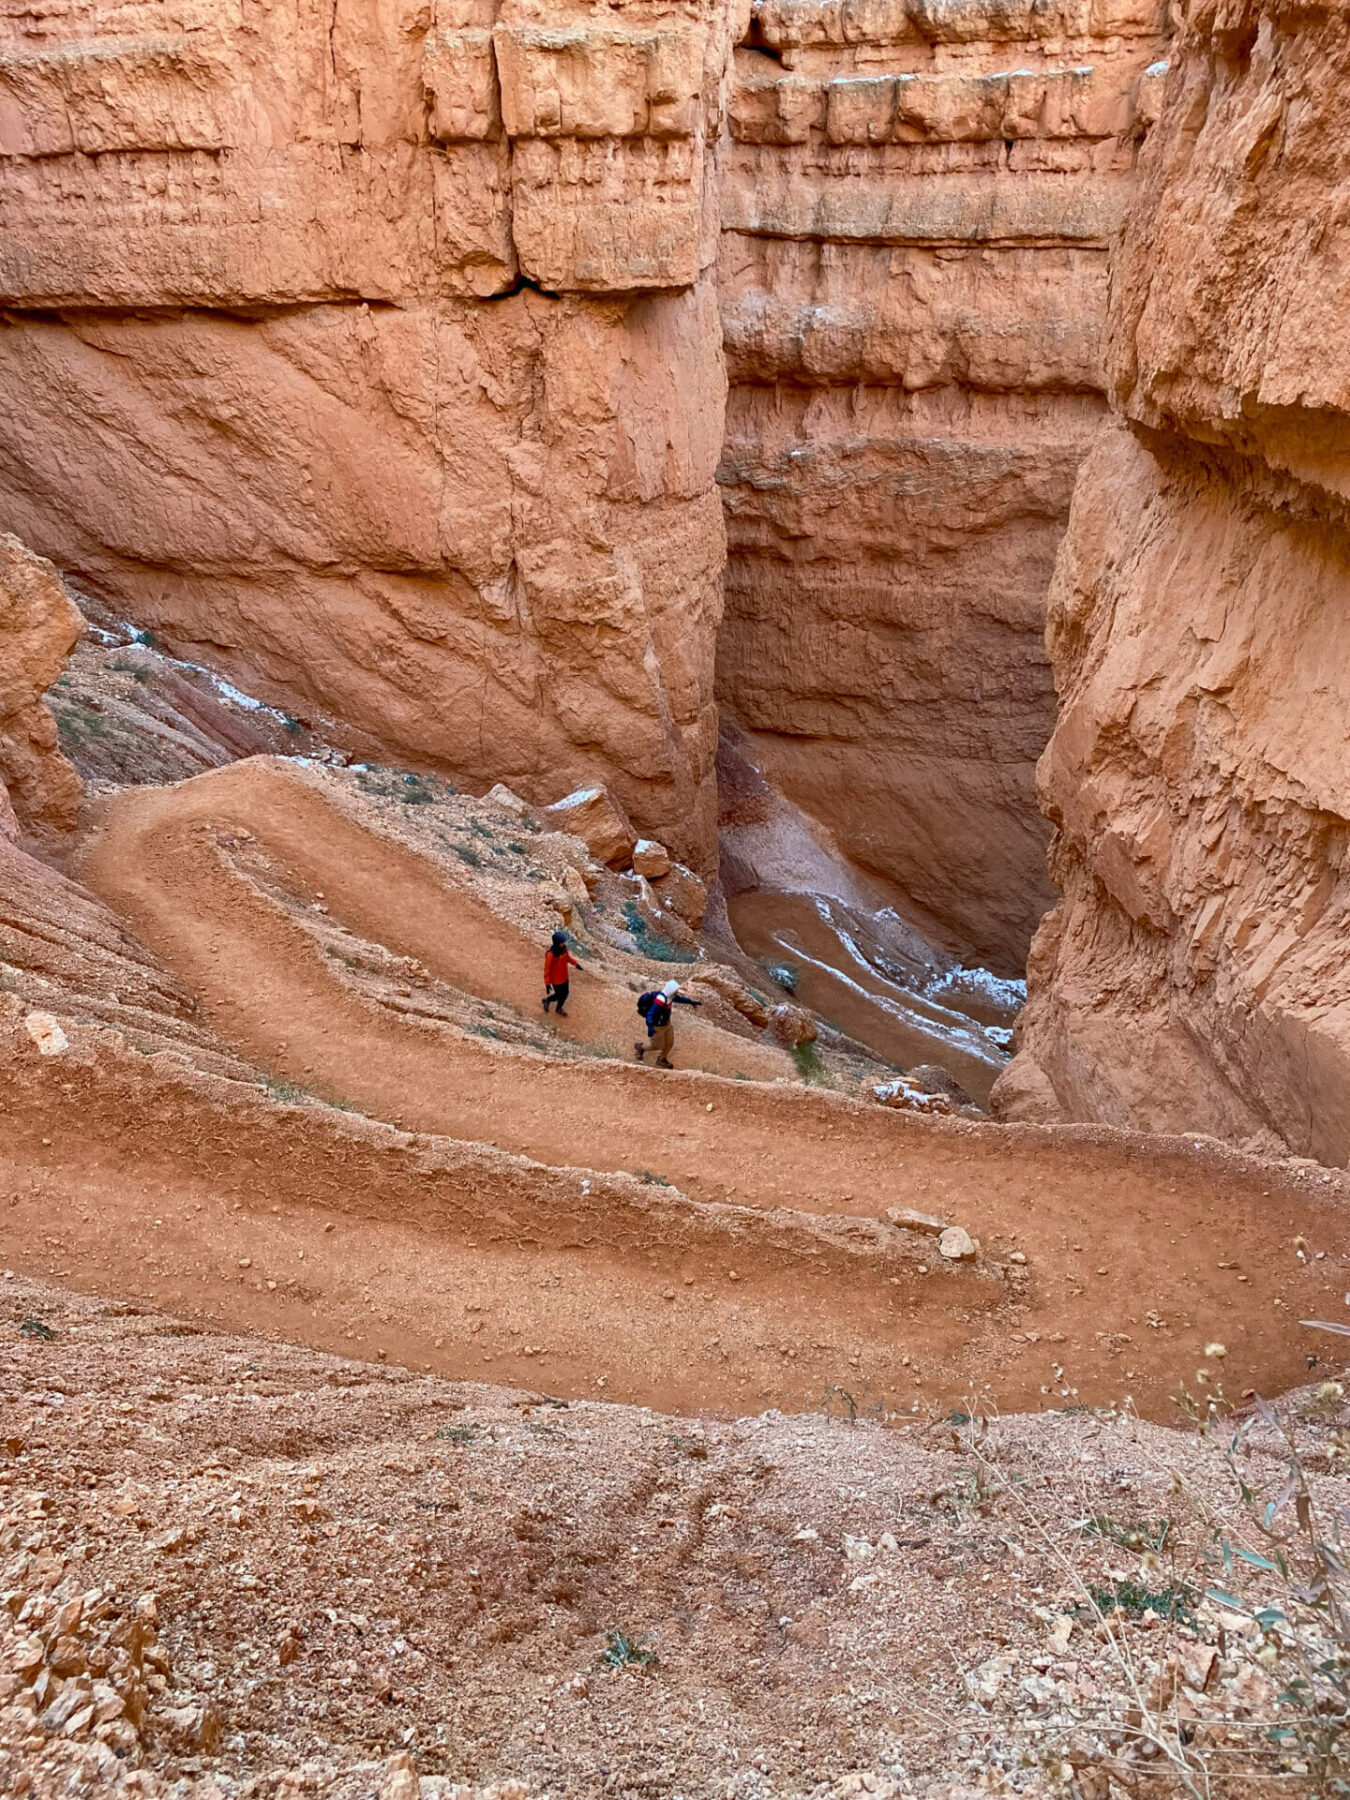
(370,349)
(1194,975)
(917,206)
(40,625)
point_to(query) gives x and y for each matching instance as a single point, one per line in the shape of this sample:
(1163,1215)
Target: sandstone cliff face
(370,350)
(39,626)
(1193,976)
(917,207)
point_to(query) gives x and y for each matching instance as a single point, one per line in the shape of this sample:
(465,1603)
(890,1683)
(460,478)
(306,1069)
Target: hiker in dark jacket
(558,965)
(656,1009)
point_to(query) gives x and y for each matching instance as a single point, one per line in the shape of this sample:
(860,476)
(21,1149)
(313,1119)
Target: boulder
(727,984)
(651,859)
(45,1030)
(554,894)
(791,1026)
(193,1730)
(574,884)
(932,1078)
(595,816)
(682,892)
(509,802)
(957,1245)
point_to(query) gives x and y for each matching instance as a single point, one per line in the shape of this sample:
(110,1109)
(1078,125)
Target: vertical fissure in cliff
(916,218)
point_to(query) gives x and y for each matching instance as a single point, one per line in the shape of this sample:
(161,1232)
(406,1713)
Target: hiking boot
(661,1063)
(641,1052)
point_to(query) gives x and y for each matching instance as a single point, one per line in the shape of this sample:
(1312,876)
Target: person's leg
(548,997)
(663,1042)
(560,994)
(640,1050)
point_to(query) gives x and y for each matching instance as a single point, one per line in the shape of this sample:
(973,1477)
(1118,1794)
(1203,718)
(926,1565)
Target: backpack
(646,1002)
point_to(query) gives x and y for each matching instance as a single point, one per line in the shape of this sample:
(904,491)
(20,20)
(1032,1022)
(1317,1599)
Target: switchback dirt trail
(1137,1254)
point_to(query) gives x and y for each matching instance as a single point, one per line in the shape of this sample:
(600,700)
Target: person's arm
(572,960)
(684,1000)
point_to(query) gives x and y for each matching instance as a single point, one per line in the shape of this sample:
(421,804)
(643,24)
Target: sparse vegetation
(1134,1599)
(37,1329)
(457,1434)
(467,854)
(651,1180)
(806,1059)
(400,784)
(76,720)
(1135,1536)
(650,943)
(624,1652)
(287,1093)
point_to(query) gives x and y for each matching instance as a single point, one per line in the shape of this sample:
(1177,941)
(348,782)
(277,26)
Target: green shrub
(623,1652)
(650,943)
(1174,1601)
(808,1064)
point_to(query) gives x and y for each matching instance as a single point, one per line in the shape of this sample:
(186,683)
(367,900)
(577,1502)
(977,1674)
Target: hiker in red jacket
(557,962)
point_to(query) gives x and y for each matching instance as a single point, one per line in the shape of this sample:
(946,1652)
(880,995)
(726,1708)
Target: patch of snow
(232,693)
(1011,996)
(580,798)
(951,1031)
(904,1094)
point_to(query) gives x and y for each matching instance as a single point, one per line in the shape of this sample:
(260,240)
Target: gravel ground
(233,1567)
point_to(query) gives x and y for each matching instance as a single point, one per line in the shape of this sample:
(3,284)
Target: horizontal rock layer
(274,384)
(916,211)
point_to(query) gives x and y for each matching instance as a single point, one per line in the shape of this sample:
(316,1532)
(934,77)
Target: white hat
(671,989)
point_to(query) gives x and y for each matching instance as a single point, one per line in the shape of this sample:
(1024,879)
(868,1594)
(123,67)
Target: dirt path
(1136,1257)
